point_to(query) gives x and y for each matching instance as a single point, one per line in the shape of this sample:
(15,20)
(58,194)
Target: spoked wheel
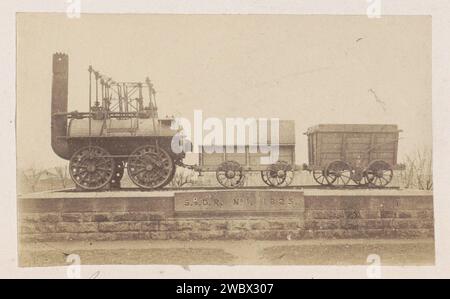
(363,182)
(379,173)
(150,167)
(230,174)
(338,173)
(278,175)
(319,177)
(118,174)
(264,178)
(91,167)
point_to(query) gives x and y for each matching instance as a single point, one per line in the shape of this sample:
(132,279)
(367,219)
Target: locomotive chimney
(59,105)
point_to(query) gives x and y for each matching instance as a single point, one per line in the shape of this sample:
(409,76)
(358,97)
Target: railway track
(295,187)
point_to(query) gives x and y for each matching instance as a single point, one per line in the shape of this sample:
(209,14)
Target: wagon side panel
(385,146)
(286,153)
(209,159)
(356,144)
(328,147)
(357,148)
(237,154)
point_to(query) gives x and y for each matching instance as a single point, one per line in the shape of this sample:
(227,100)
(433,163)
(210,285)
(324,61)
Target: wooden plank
(352,128)
(361,139)
(383,156)
(330,138)
(286,133)
(255,160)
(334,156)
(394,161)
(358,147)
(335,147)
(213,159)
(238,157)
(316,153)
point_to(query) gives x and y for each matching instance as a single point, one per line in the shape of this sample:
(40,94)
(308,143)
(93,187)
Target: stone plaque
(240,201)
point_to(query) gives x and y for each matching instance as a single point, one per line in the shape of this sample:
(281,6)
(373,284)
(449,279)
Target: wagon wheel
(363,182)
(264,178)
(359,176)
(338,173)
(91,168)
(280,174)
(118,174)
(150,167)
(379,173)
(319,177)
(230,174)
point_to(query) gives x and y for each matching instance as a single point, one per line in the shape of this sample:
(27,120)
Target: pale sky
(311,69)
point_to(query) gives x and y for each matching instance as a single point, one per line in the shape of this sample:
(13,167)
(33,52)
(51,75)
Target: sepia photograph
(223,147)
(196,139)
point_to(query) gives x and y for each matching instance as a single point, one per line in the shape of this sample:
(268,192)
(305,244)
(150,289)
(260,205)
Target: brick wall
(357,216)
(330,214)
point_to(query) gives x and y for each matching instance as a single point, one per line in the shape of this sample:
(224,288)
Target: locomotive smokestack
(59,105)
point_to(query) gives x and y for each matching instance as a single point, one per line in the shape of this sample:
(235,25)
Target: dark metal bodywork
(118,132)
(121,130)
(60,85)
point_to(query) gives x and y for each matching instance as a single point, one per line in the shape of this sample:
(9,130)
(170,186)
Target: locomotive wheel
(319,177)
(150,167)
(118,174)
(338,173)
(230,174)
(91,168)
(278,175)
(379,173)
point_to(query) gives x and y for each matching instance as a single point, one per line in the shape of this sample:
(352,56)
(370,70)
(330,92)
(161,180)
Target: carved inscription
(248,200)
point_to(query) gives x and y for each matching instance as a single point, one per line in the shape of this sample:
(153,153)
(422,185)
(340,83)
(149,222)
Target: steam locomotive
(122,130)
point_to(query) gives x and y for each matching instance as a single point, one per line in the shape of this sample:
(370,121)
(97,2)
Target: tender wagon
(232,163)
(339,154)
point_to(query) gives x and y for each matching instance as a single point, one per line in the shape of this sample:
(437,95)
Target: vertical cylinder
(90,100)
(60,91)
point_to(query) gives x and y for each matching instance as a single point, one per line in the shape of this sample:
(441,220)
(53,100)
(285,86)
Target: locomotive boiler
(121,127)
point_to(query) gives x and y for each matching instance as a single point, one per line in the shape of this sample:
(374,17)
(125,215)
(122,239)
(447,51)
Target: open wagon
(363,154)
(232,163)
